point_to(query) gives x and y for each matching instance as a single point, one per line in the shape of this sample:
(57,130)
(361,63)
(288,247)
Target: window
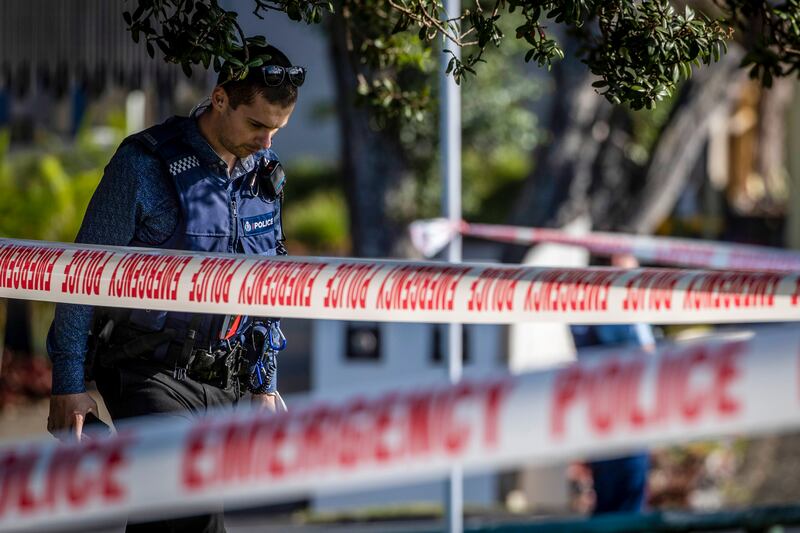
(363,342)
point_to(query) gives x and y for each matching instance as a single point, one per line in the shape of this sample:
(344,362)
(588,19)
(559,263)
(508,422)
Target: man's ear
(219,98)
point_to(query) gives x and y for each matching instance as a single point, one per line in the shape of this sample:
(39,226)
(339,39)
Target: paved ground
(30,420)
(23,420)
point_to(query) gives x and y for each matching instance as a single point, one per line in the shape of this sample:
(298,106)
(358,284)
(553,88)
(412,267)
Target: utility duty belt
(247,359)
(222,367)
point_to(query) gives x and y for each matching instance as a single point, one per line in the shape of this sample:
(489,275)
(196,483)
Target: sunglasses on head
(275,74)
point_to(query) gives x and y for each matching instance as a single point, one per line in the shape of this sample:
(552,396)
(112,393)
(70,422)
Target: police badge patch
(258,224)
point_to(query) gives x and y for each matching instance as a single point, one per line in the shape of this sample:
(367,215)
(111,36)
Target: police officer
(206,183)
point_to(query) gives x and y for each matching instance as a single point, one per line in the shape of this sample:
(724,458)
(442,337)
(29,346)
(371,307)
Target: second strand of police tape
(617,402)
(430,236)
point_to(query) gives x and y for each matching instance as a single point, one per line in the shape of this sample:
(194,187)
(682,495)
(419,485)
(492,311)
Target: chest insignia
(258,224)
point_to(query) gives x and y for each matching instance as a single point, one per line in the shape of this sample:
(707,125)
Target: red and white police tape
(395,291)
(430,236)
(604,405)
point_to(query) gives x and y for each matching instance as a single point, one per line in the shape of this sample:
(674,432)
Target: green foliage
(393,74)
(308,176)
(315,214)
(317,224)
(772,32)
(499,131)
(200,32)
(646,128)
(648,48)
(44,191)
(489,180)
(639,49)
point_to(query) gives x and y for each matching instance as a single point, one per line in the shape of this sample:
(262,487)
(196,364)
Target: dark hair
(243,91)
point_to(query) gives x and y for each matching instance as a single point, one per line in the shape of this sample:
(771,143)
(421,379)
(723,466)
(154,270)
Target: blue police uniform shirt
(135,201)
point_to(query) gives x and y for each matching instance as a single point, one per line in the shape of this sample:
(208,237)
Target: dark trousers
(620,485)
(140,388)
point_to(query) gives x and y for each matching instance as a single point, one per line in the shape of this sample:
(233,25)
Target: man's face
(251,127)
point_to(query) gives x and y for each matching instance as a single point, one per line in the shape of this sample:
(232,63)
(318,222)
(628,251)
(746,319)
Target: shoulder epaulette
(157,136)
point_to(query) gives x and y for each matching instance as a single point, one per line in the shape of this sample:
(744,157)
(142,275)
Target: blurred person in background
(208,183)
(620,484)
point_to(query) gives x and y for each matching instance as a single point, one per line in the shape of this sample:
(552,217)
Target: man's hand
(270,402)
(67,413)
